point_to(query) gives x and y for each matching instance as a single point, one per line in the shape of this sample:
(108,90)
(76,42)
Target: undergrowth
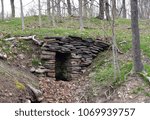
(93,28)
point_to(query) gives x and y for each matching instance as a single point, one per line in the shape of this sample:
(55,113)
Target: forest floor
(97,83)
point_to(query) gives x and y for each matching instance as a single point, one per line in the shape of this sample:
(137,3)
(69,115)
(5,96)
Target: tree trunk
(107,10)
(69,7)
(58,9)
(114,8)
(53,13)
(12,8)
(22,15)
(101,9)
(2,2)
(91,8)
(81,14)
(124,8)
(48,9)
(85,2)
(138,66)
(40,16)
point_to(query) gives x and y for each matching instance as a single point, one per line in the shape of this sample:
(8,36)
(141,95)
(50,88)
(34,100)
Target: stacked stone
(82,53)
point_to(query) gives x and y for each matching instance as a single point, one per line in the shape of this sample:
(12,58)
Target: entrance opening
(62,66)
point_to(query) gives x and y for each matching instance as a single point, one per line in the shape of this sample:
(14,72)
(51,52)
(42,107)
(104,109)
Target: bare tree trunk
(114,8)
(22,15)
(58,9)
(48,9)
(138,66)
(124,8)
(91,8)
(107,10)
(53,13)
(2,2)
(114,47)
(101,9)
(40,16)
(69,7)
(85,2)
(12,8)
(81,14)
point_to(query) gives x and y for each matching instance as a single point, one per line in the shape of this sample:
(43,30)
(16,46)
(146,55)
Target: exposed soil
(83,90)
(13,83)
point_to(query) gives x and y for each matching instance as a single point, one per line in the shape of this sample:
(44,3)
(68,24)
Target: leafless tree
(85,9)
(40,15)
(48,9)
(114,46)
(114,8)
(2,12)
(22,15)
(138,66)
(81,14)
(101,9)
(91,8)
(69,7)
(107,11)
(124,8)
(12,8)
(58,9)
(144,9)
(53,12)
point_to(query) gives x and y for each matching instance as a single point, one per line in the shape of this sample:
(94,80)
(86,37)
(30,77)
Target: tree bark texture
(138,66)
(12,8)
(101,9)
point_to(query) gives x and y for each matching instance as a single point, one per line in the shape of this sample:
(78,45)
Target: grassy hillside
(102,68)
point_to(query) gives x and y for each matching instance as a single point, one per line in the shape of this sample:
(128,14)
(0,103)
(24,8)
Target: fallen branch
(36,41)
(26,38)
(37,93)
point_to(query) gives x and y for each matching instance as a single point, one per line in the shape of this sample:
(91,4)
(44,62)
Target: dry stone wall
(68,56)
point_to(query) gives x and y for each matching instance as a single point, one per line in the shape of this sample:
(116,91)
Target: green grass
(105,73)
(93,28)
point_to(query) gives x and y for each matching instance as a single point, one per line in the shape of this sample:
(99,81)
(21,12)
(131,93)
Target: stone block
(52,75)
(47,57)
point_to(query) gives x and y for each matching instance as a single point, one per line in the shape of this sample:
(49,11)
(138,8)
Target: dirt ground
(14,77)
(13,83)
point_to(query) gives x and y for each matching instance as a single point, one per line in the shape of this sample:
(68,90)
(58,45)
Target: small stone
(32,70)
(40,71)
(21,56)
(73,55)
(10,94)
(47,57)
(130,97)
(48,53)
(51,75)
(28,101)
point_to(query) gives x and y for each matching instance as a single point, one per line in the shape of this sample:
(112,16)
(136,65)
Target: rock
(47,57)
(41,71)
(73,55)
(3,56)
(69,46)
(51,75)
(49,66)
(10,94)
(64,49)
(21,56)
(32,70)
(48,53)
(131,97)
(76,69)
(28,101)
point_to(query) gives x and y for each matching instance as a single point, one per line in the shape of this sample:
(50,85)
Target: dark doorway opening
(62,64)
